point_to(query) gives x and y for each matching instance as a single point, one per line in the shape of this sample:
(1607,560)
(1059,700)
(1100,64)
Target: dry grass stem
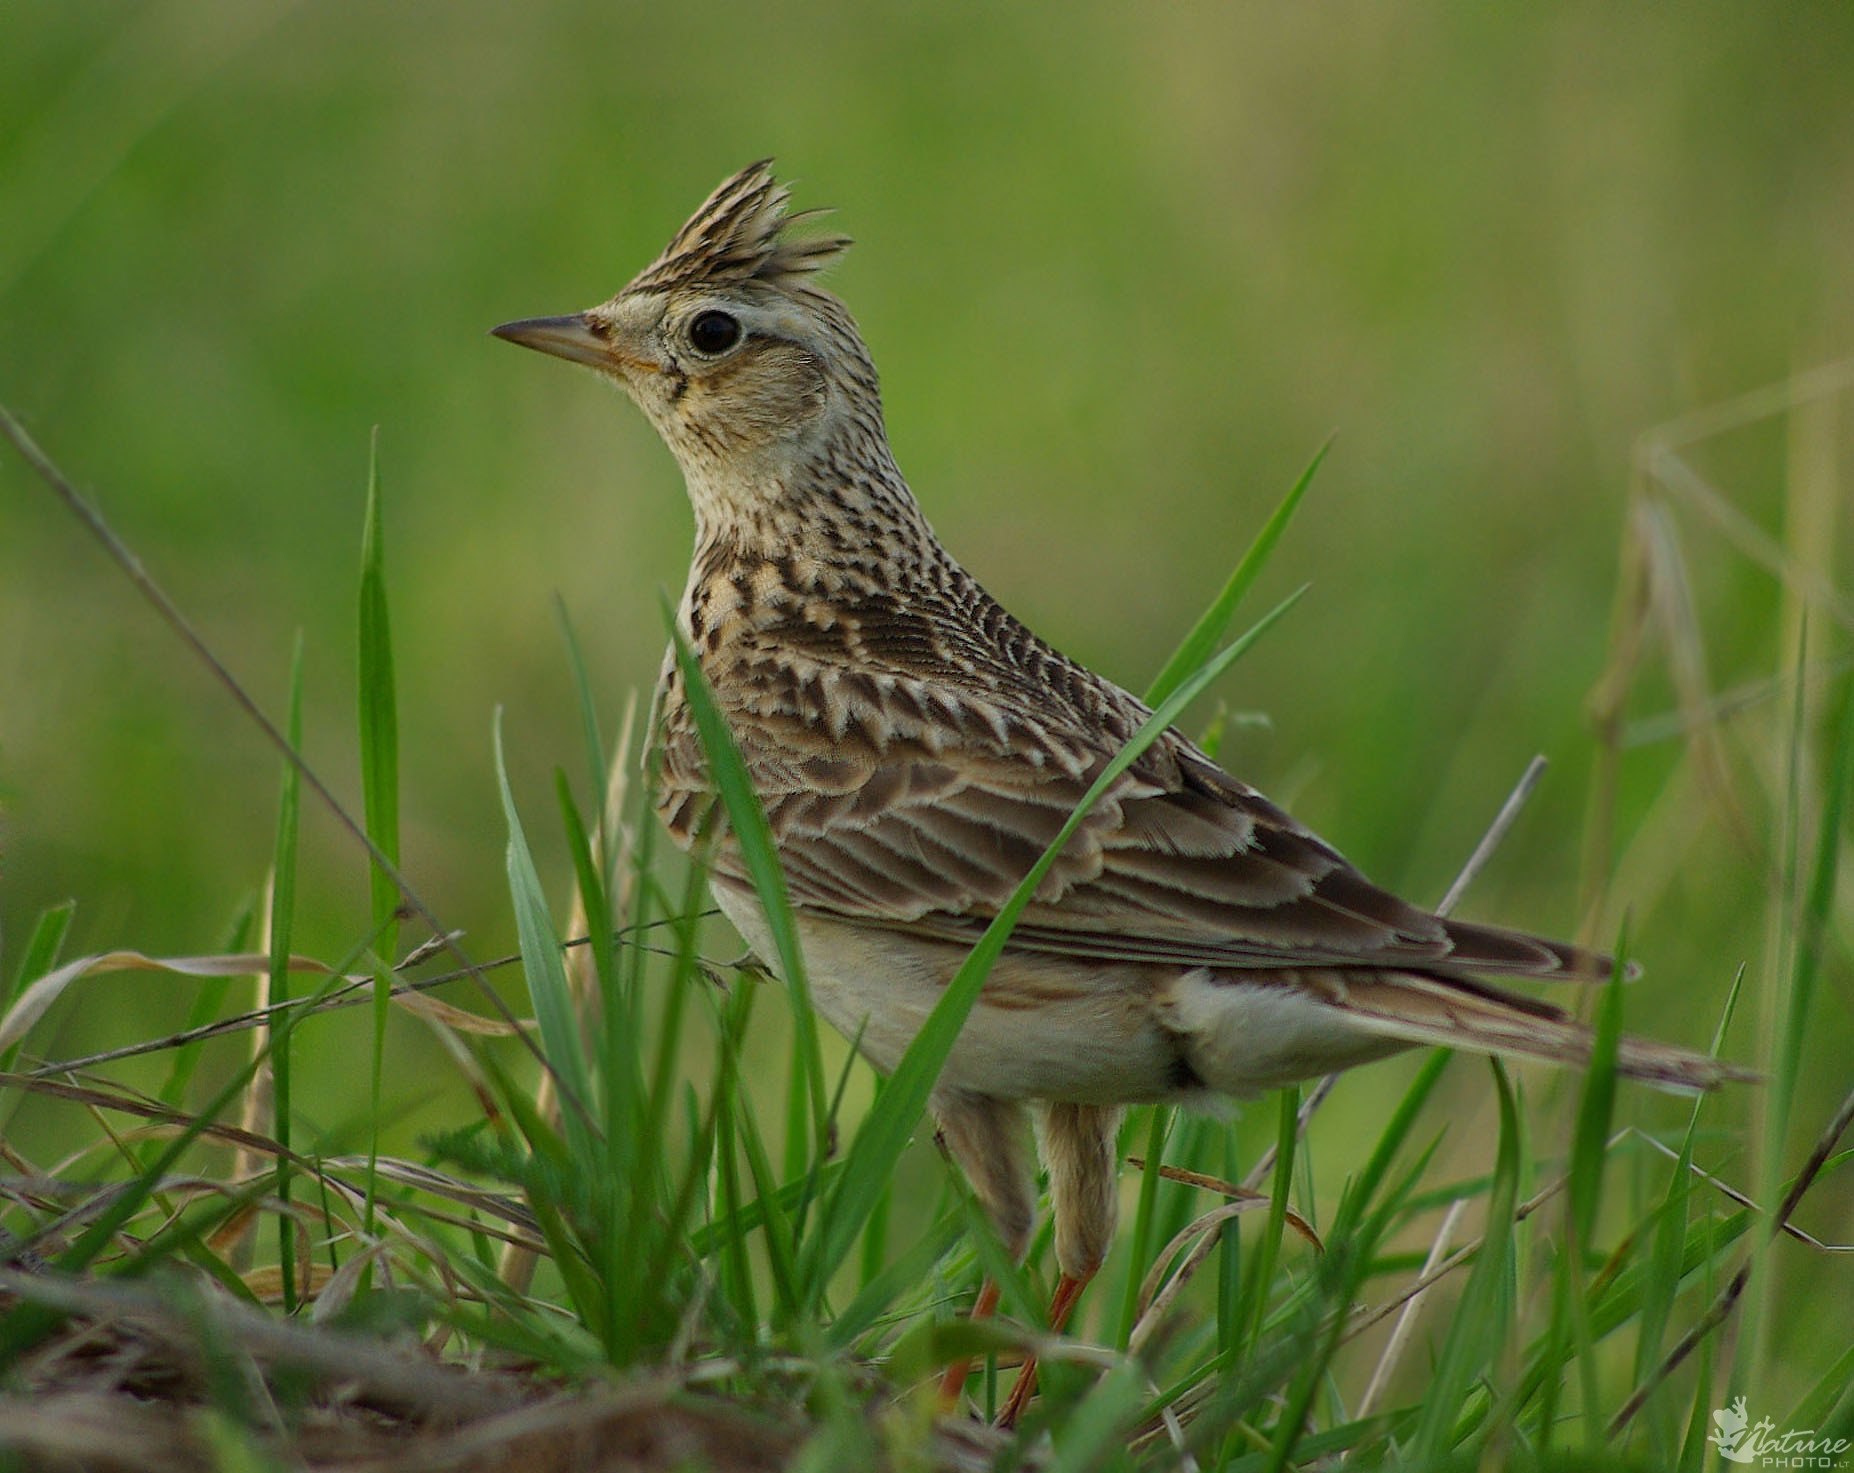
(1406,1320)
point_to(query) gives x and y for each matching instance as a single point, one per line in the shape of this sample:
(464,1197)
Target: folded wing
(921,807)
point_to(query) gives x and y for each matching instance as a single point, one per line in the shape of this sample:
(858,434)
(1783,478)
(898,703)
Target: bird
(915,749)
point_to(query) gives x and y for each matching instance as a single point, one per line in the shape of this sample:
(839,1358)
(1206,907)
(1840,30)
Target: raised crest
(739,234)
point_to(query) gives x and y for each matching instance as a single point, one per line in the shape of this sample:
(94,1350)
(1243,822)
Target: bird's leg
(953,1383)
(1078,1147)
(1061,1305)
(985,1139)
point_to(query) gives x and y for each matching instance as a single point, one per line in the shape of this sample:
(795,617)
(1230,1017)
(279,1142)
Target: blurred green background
(1123,268)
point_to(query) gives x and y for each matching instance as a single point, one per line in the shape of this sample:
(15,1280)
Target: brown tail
(1462,1013)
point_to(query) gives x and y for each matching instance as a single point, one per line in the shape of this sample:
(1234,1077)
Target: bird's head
(743,364)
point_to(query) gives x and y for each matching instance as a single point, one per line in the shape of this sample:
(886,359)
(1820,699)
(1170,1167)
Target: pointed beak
(573,337)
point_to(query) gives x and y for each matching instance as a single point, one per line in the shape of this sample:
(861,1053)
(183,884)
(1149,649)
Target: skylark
(916,748)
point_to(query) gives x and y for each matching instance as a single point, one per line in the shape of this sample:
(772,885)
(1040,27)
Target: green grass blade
(1589,1152)
(552,1177)
(800,1137)
(886,1130)
(1302,1359)
(1017,1290)
(1262,1265)
(546,971)
(776,1223)
(875,1232)
(1695,1448)
(1093,1434)
(704,1129)
(1818,900)
(1139,1243)
(650,1214)
(588,708)
(618,1066)
(1662,1281)
(1805,915)
(879,1295)
(1833,1387)
(1597,1104)
(1214,622)
(736,1265)
(378,708)
(1838,1426)
(1358,1197)
(40,956)
(1666,1265)
(1230,1257)
(1484,1312)
(784,1199)
(377,705)
(282,913)
(748,823)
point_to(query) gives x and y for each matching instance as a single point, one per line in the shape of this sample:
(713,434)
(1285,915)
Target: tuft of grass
(39,957)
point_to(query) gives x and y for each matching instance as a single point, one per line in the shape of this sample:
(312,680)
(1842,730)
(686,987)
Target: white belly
(1052,1028)
(1043,1029)
(1244,1037)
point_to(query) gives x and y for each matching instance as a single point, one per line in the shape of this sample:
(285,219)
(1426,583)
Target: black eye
(713,332)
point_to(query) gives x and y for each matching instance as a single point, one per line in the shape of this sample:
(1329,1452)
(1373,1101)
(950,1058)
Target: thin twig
(1496,833)
(1265,1163)
(355,991)
(1406,1321)
(1430,1277)
(1726,1189)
